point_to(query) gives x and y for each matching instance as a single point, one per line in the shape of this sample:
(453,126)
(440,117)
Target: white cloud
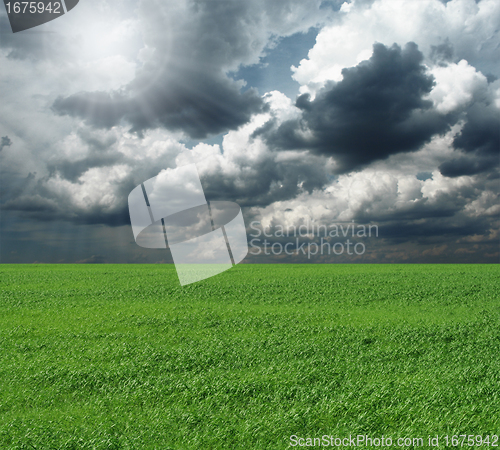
(456,86)
(471,28)
(96,188)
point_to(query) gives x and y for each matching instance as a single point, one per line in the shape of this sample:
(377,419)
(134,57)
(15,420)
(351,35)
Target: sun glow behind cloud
(102,43)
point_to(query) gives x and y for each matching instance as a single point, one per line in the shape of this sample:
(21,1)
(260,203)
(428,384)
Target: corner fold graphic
(204,238)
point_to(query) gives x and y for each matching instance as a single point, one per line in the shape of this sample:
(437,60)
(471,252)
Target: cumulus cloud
(462,89)
(456,30)
(434,212)
(456,86)
(89,176)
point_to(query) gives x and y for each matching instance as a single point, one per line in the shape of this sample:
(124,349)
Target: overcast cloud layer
(395,123)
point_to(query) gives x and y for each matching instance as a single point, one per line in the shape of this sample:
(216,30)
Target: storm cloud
(378,109)
(371,111)
(200,106)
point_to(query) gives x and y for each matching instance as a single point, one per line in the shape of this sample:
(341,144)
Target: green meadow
(123,357)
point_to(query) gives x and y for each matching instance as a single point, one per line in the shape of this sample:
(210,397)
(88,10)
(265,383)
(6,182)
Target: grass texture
(123,357)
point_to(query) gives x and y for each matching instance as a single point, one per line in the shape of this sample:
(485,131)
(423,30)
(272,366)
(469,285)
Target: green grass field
(122,357)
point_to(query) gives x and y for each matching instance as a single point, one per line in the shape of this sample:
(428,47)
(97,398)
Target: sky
(332,114)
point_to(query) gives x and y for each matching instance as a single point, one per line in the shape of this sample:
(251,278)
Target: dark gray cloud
(479,140)
(481,132)
(426,231)
(5,142)
(266,182)
(199,105)
(377,110)
(468,165)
